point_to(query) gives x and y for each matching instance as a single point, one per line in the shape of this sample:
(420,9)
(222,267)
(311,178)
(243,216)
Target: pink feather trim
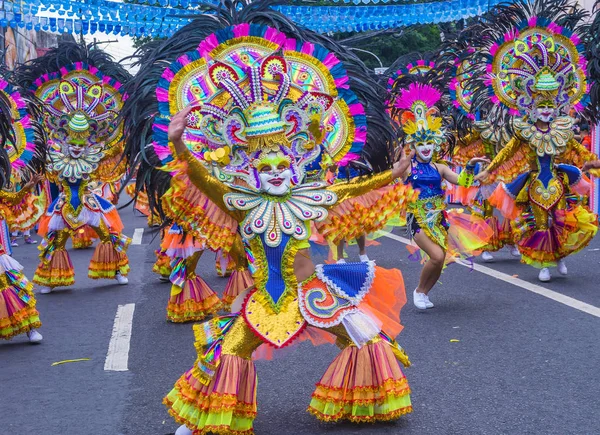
(418,92)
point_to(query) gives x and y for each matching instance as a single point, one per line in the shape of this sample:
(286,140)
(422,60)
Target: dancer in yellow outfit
(82,92)
(263,107)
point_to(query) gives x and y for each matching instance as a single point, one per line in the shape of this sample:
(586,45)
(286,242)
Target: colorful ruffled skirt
(460,234)
(546,232)
(191,297)
(18,314)
(353,302)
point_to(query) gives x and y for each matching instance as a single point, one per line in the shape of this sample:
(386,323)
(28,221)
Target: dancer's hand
(476,160)
(177,126)
(482,177)
(594,164)
(401,166)
(35,179)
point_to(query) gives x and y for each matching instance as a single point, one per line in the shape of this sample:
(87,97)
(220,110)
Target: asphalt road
(523,363)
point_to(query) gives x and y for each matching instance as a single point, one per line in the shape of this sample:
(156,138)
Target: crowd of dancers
(254,138)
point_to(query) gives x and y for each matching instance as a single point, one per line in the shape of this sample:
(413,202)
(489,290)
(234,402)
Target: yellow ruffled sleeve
(13,198)
(209,185)
(360,185)
(366,205)
(577,155)
(510,162)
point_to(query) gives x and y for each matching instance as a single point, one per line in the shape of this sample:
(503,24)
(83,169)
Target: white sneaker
(562,267)
(34,336)
(341,261)
(514,251)
(419,300)
(487,257)
(428,303)
(544,275)
(121,279)
(183,430)
(45,289)
(364,258)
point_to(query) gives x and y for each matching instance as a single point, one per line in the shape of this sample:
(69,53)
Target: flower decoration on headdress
(537,63)
(420,117)
(254,89)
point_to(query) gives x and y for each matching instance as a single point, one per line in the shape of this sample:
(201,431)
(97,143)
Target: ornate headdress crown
(254,89)
(537,60)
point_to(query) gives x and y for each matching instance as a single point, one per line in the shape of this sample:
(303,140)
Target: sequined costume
(534,73)
(82,98)
(414,101)
(20,157)
(265,103)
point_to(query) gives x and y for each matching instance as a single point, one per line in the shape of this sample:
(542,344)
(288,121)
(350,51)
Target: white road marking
(534,288)
(117,357)
(137,236)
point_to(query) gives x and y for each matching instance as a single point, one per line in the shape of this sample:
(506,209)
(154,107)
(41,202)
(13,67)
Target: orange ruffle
(106,262)
(386,299)
(195,302)
(506,204)
(162,266)
(111,169)
(43,225)
(513,167)
(58,272)
(464,153)
(232,391)
(26,214)
(359,378)
(462,195)
(196,214)
(366,213)
(114,221)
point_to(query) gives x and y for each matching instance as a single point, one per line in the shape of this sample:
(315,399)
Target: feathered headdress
(527,53)
(256,89)
(81,89)
(416,102)
(22,136)
(141,109)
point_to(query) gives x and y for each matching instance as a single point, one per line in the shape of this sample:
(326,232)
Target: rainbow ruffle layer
(57,272)
(107,261)
(17,316)
(227,405)
(362,385)
(571,231)
(192,302)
